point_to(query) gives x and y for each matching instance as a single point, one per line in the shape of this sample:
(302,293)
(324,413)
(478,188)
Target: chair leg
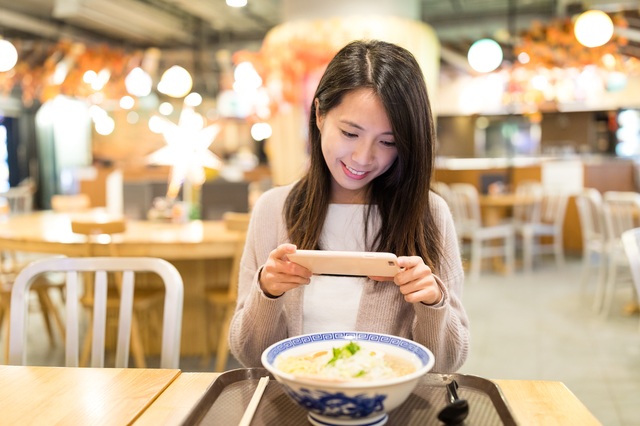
(586,267)
(56,315)
(136,343)
(610,289)
(476,258)
(44,308)
(222,353)
(527,250)
(604,272)
(86,346)
(510,253)
(558,250)
(5,322)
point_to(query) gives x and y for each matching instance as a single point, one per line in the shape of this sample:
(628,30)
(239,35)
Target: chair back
(172,316)
(621,213)
(592,226)
(528,212)
(237,222)
(465,206)
(553,207)
(630,241)
(442,189)
(70,203)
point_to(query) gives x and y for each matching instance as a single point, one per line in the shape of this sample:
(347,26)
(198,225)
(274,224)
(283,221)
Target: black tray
(226,399)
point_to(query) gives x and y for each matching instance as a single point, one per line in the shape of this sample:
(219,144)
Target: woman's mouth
(353,173)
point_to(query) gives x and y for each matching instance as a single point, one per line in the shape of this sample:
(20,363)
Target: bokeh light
(485,55)
(8,55)
(593,28)
(176,82)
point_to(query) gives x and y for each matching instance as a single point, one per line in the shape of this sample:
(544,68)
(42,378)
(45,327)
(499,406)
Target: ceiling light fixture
(593,28)
(237,3)
(176,82)
(8,55)
(485,55)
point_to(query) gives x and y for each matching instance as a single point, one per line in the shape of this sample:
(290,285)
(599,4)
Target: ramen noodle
(350,362)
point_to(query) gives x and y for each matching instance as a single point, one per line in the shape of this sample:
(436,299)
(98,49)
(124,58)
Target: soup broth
(351,362)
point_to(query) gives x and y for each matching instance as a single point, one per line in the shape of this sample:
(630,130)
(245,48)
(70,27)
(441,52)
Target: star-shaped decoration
(187,150)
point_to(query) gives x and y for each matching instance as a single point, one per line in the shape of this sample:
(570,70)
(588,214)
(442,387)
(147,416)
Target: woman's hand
(415,281)
(279,274)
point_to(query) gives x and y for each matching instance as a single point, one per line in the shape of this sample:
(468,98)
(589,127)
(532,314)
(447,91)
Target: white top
(331,303)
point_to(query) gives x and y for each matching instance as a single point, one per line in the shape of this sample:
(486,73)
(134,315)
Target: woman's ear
(319,117)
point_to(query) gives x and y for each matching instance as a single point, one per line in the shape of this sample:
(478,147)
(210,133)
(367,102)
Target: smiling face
(357,144)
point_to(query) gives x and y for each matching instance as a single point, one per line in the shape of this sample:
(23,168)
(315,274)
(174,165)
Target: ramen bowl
(352,402)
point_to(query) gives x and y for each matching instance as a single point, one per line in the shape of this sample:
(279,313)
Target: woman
(367,189)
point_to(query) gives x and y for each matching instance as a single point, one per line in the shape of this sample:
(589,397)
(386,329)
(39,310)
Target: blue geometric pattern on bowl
(372,337)
(337,404)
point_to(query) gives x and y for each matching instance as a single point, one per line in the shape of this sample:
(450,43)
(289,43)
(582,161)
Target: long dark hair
(401,194)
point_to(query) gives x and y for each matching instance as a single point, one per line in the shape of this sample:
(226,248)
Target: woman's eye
(387,143)
(349,135)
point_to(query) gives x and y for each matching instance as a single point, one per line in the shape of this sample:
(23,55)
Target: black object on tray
(226,399)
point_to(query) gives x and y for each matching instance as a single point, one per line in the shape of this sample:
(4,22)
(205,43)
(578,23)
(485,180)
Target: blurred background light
(191,120)
(524,58)
(593,28)
(127,102)
(485,55)
(176,82)
(138,82)
(132,117)
(609,60)
(193,99)
(96,113)
(539,82)
(165,108)
(616,81)
(105,125)
(237,3)
(213,114)
(260,131)
(89,76)
(8,55)
(246,78)
(156,124)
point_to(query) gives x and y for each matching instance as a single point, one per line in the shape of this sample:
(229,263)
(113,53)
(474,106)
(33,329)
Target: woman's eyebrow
(352,124)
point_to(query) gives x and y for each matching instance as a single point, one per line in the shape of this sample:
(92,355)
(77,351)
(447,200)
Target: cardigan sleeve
(258,320)
(445,328)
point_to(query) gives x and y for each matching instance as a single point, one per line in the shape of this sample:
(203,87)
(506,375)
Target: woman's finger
(376,278)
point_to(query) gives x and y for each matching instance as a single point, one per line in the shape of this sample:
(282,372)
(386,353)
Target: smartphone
(347,263)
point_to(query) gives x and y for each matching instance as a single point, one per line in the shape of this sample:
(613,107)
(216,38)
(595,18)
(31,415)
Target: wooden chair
(70,203)
(9,268)
(630,242)
(442,189)
(621,213)
(465,207)
(549,222)
(224,300)
(20,201)
(592,227)
(172,315)
(143,299)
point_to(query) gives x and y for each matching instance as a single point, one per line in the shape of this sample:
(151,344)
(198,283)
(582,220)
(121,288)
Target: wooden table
(200,250)
(111,396)
(533,403)
(78,396)
(496,207)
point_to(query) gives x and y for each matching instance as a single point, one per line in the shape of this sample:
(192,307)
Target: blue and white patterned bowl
(350,403)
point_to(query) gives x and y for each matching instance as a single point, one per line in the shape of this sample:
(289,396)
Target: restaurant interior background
(177,111)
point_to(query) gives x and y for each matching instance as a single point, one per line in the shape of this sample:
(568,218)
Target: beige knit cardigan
(260,321)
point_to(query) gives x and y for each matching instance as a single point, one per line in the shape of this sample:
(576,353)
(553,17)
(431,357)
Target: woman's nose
(363,153)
